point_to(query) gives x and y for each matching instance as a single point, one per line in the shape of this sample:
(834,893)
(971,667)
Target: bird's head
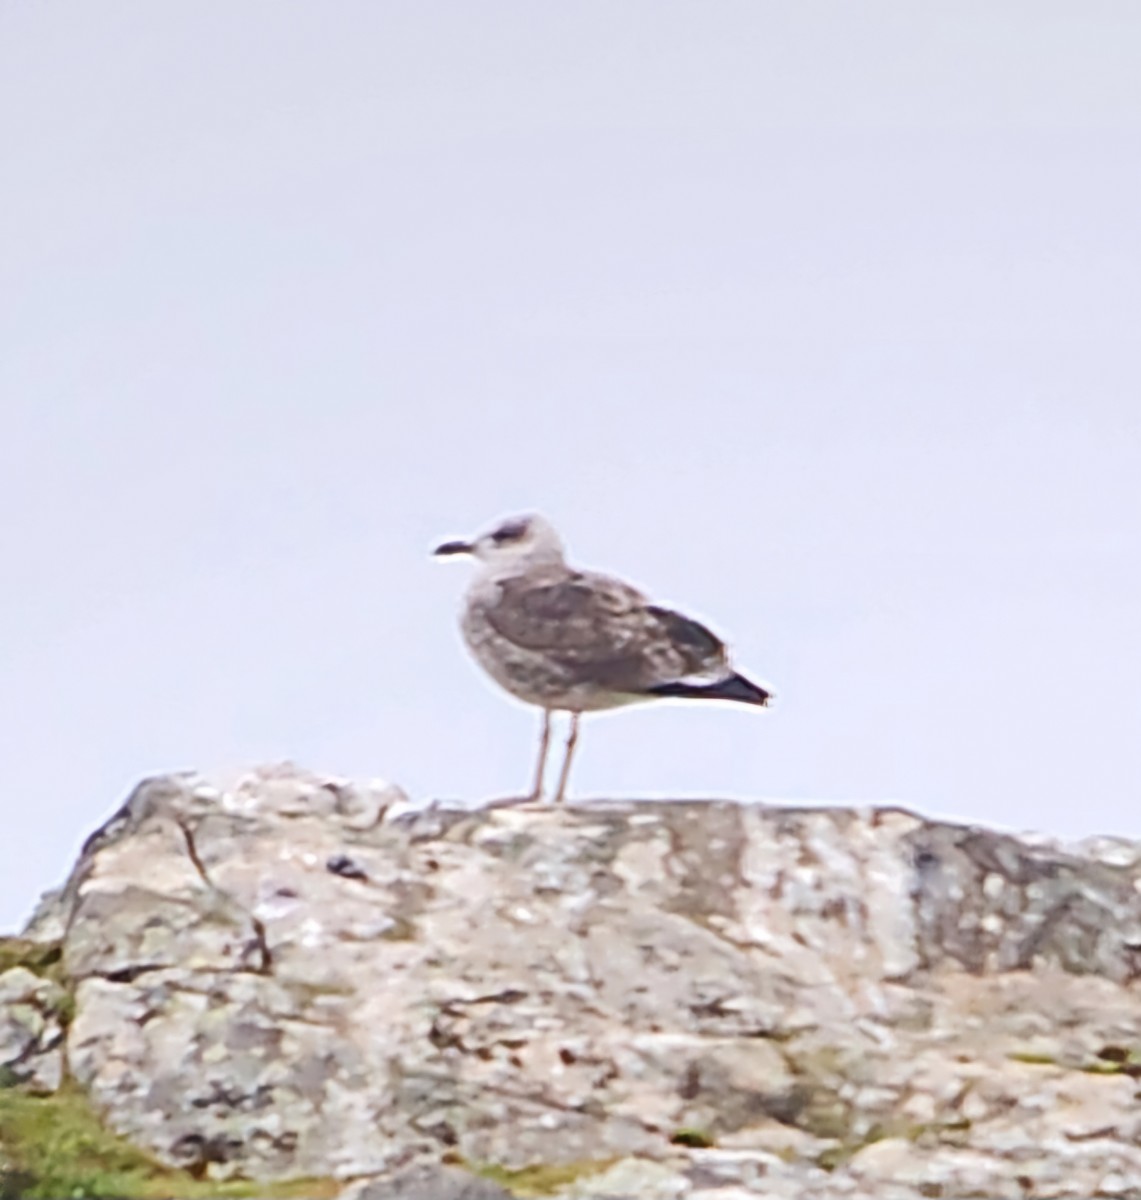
(512,545)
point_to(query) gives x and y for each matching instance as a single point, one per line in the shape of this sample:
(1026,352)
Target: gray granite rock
(31,1030)
(277,974)
(426,1183)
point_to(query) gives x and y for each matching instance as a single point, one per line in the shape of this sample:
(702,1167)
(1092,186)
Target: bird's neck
(540,560)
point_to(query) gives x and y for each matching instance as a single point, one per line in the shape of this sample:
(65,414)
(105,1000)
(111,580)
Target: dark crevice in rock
(345,867)
(257,960)
(192,851)
(131,973)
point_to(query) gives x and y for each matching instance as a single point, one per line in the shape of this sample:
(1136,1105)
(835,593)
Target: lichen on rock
(277,975)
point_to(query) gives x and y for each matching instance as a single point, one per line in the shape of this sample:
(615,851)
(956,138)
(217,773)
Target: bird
(574,641)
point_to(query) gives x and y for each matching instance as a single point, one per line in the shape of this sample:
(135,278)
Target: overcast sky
(819,321)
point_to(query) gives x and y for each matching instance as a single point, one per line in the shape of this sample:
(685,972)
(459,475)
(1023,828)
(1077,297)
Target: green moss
(401,930)
(1109,1060)
(311,995)
(1034,1058)
(41,958)
(55,1146)
(825,1117)
(698,1139)
(1118,1060)
(44,959)
(836,1156)
(65,1008)
(58,1148)
(1097,1067)
(539,1180)
(815,1103)
(912,1131)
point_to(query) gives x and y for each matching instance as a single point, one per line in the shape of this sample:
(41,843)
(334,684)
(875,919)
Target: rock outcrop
(282,976)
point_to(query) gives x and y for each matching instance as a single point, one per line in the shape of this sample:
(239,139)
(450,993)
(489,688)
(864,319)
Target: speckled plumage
(578,641)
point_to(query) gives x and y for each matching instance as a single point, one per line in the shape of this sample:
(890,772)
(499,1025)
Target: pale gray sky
(819,321)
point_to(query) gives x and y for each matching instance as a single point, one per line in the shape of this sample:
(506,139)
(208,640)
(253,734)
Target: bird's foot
(532,801)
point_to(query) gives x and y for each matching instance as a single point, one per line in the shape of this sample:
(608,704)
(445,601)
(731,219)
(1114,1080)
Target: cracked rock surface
(280,975)
(31,1030)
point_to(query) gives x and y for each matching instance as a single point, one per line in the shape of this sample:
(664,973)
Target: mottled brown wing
(602,631)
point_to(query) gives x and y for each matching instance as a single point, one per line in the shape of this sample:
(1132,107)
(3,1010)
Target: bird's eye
(512,531)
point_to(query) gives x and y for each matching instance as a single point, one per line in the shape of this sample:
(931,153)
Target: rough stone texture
(280,975)
(426,1183)
(31,1030)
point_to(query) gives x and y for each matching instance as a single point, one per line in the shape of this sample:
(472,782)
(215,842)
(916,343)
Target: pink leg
(540,769)
(564,774)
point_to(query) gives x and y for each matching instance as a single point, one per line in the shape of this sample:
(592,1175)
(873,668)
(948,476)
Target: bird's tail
(733,687)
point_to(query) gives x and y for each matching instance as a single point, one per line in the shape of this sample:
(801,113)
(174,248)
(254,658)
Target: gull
(576,641)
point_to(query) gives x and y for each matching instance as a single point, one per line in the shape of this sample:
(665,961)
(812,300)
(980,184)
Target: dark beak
(452,548)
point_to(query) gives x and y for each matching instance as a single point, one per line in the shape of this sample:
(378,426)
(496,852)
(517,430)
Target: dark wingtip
(735,687)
